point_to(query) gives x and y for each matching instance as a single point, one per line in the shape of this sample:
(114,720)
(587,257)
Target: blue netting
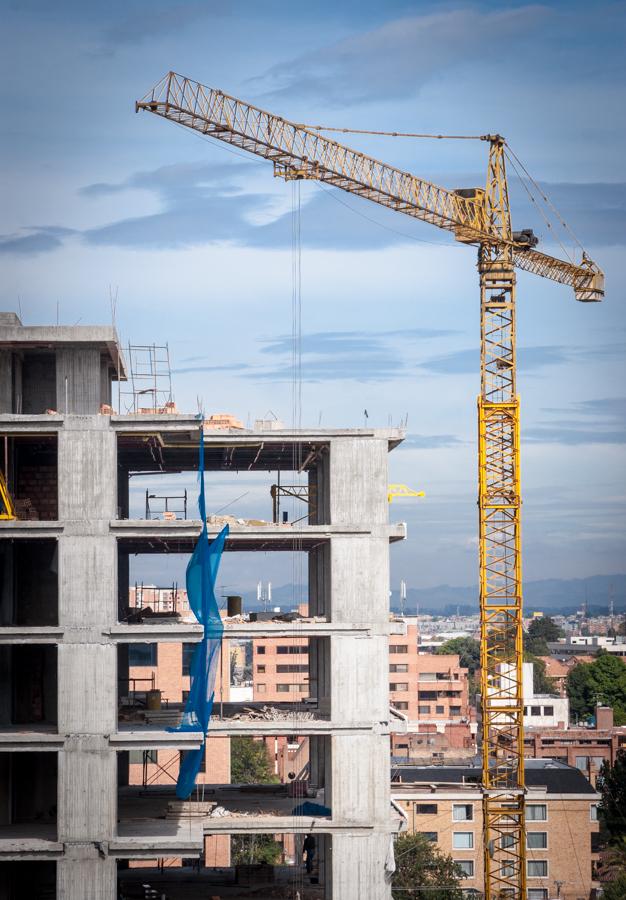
(201,576)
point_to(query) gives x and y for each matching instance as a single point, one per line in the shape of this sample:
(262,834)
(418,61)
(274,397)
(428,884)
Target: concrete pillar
(78,374)
(359,594)
(6,381)
(87,780)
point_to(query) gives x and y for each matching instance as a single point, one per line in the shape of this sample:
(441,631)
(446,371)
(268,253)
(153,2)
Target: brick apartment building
(585,748)
(444,803)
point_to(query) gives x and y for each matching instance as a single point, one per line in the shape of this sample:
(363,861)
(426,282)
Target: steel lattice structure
(482,218)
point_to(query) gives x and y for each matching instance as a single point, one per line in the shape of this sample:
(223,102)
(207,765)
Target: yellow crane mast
(480,217)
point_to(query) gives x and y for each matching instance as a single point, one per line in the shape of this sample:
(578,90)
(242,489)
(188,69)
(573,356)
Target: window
(285,688)
(548,710)
(293,668)
(537,840)
(423,710)
(260,649)
(537,812)
(291,649)
(593,812)
(463,812)
(439,710)
(537,868)
(261,669)
(425,809)
(399,667)
(427,695)
(399,686)
(142,654)
(136,757)
(400,704)
(429,835)
(187,657)
(582,763)
(455,710)
(261,689)
(537,894)
(426,676)
(535,710)
(398,648)
(466,866)
(463,840)
(506,841)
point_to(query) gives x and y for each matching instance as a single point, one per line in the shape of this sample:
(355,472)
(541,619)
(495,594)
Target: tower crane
(479,217)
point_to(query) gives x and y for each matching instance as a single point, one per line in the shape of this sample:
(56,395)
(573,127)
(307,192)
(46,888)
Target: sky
(194,240)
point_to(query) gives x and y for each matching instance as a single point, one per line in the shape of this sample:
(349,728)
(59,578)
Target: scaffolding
(150,379)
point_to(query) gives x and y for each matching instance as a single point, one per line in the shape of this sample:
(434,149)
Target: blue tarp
(201,577)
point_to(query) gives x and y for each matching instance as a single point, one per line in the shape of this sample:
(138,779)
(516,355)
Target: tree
(540,631)
(615,890)
(602,681)
(468,651)
(249,762)
(420,863)
(611,784)
(255,848)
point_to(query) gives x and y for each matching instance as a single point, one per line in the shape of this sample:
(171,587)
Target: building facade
(66,797)
(444,804)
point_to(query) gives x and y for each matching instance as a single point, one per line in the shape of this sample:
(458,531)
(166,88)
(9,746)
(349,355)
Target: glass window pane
(466,866)
(463,840)
(537,840)
(462,812)
(537,868)
(536,812)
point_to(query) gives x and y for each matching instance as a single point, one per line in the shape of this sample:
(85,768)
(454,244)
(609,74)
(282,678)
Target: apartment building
(444,804)
(68,809)
(586,748)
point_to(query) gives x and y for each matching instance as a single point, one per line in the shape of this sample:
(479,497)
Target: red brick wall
(39,485)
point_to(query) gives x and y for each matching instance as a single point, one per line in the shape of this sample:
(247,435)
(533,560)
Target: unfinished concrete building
(69,821)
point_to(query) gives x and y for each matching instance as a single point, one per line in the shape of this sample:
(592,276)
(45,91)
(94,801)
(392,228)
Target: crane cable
(544,197)
(409,134)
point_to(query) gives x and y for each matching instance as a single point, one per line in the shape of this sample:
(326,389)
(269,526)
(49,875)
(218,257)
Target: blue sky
(196,239)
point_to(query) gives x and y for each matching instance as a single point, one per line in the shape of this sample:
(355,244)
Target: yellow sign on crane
(402,490)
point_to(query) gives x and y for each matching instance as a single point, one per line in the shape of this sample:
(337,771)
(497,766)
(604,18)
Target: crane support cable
(407,134)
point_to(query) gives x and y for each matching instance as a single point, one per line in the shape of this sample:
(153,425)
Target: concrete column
(6,381)
(359,591)
(87,774)
(358,866)
(78,374)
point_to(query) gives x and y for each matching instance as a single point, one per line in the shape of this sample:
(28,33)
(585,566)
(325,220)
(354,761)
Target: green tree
(602,681)
(611,784)
(255,848)
(615,890)
(420,863)
(249,762)
(468,651)
(540,631)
